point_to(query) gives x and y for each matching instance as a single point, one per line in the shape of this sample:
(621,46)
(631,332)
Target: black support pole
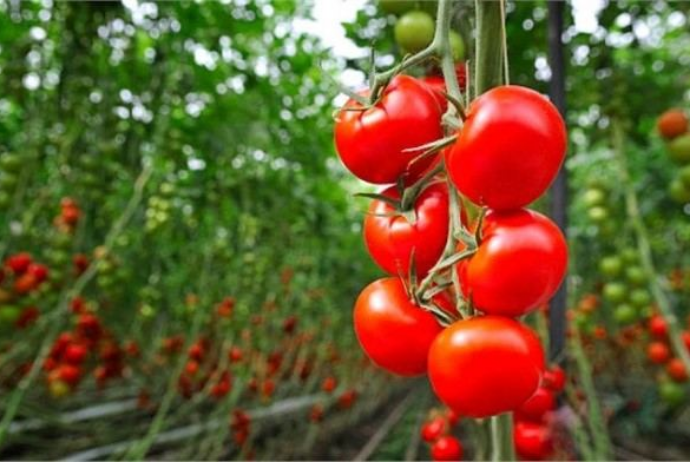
(559,189)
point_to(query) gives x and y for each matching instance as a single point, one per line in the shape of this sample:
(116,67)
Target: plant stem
(502,437)
(489,51)
(644,248)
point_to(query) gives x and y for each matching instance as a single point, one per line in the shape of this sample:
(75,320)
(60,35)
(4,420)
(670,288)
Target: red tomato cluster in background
(437,433)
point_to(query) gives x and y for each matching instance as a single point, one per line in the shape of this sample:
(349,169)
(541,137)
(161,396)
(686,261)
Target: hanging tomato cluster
(507,262)
(437,432)
(672,125)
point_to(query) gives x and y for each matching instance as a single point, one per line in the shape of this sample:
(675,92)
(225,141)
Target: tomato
(438,85)
(75,354)
(434,429)
(414,31)
(672,123)
(472,360)
(535,408)
(510,148)
(446,448)
(611,266)
(658,352)
(457,46)
(372,143)
(395,333)
(625,314)
(640,298)
(554,379)
(519,264)
(615,292)
(392,239)
(19,263)
(657,327)
(678,191)
(679,149)
(672,393)
(329,384)
(676,370)
(635,275)
(594,197)
(533,441)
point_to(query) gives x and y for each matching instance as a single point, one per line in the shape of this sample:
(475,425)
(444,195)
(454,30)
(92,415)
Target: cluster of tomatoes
(507,262)
(66,364)
(437,432)
(534,430)
(659,352)
(672,125)
(624,286)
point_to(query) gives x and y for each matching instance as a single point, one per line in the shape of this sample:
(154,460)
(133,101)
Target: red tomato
(19,262)
(394,332)
(372,143)
(533,441)
(535,408)
(658,352)
(75,354)
(676,370)
(38,271)
(329,384)
(472,361)
(519,265)
(509,150)
(446,448)
(657,327)
(391,239)
(434,429)
(438,85)
(554,379)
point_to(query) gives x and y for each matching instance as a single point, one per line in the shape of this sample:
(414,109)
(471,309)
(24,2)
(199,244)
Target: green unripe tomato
(10,162)
(457,46)
(615,292)
(630,255)
(9,314)
(678,192)
(598,214)
(414,31)
(593,197)
(396,6)
(684,176)
(679,149)
(635,275)
(611,266)
(625,314)
(671,393)
(8,181)
(640,298)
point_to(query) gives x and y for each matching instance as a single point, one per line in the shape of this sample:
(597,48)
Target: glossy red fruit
(394,332)
(446,448)
(329,384)
(38,271)
(519,265)
(372,143)
(533,441)
(554,379)
(657,327)
(509,150)
(535,408)
(19,263)
(676,370)
(658,352)
(471,362)
(391,238)
(75,354)
(434,429)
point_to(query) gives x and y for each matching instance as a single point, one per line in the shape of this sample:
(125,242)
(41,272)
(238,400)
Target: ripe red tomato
(329,384)
(446,448)
(434,429)
(535,408)
(657,327)
(519,265)
(672,123)
(676,370)
(438,85)
(510,148)
(394,332)
(75,354)
(554,379)
(19,262)
(471,362)
(658,352)
(533,441)
(391,239)
(38,271)
(371,143)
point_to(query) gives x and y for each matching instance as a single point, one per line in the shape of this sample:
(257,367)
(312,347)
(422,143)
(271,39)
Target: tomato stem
(502,437)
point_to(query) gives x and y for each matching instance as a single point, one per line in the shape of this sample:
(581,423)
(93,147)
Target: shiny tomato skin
(372,143)
(535,408)
(554,379)
(658,327)
(533,441)
(395,333)
(446,448)
(392,239)
(485,366)
(658,352)
(434,429)
(519,264)
(509,150)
